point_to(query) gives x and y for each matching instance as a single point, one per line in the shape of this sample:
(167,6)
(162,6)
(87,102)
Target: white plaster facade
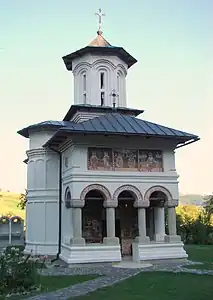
(87,72)
(46,187)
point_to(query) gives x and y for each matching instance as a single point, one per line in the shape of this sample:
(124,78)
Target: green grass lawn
(157,285)
(53,283)
(201,253)
(163,285)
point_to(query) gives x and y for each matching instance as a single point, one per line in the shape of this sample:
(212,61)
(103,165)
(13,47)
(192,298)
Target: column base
(159,237)
(77,241)
(111,241)
(172,238)
(142,240)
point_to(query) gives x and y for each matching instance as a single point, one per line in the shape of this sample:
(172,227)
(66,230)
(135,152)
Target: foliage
(8,205)
(23,200)
(18,274)
(195,224)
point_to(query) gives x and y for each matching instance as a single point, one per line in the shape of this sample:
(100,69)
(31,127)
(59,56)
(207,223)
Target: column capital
(77,203)
(141,204)
(110,203)
(172,203)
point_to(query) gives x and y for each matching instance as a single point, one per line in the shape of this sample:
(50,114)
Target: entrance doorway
(94,218)
(126,226)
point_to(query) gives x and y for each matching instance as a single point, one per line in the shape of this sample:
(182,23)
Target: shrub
(18,274)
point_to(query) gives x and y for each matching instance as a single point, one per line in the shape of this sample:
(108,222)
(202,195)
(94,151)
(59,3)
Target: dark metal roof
(46,124)
(111,50)
(119,124)
(100,109)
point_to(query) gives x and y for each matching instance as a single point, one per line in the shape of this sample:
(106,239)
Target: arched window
(84,86)
(102,85)
(120,79)
(67,198)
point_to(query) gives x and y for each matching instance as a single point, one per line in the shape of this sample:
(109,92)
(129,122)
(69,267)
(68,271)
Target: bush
(194,225)
(18,274)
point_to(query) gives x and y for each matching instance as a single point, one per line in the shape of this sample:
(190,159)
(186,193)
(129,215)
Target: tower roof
(99,50)
(99,46)
(99,41)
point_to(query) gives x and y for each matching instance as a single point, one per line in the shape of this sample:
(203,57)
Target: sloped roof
(100,109)
(46,124)
(99,41)
(118,124)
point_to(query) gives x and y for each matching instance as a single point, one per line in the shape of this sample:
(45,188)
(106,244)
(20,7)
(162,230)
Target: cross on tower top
(100,15)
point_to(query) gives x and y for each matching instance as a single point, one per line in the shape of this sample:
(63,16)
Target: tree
(208,206)
(23,200)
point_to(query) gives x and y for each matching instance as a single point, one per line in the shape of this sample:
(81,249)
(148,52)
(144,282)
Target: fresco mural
(150,161)
(125,160)
(100,159)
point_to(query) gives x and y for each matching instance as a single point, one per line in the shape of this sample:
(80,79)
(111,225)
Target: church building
(102,183)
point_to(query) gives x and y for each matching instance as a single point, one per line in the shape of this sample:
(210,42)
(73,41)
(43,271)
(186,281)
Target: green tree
(23,200)
(208,208)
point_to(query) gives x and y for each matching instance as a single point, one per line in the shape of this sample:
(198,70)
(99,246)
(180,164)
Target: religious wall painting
(100,159)
(125,160)
(150,161)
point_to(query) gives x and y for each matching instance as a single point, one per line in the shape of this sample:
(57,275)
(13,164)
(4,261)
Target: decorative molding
(172,203)
(149,177)
(130,188)
(158,188)
(98,187)
(77,203)
(39,152)
(110,204)
(141,204)
(81,66)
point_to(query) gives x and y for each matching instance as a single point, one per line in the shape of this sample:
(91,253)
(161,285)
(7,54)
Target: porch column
(172,237)
(141,207)
(77,222)
(159,217)
(111,239)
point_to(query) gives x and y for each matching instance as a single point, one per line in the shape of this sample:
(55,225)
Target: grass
(158,285)
(164,285)
(53,283)
(8,204)
(202,253)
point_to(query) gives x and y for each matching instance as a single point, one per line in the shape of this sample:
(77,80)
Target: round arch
(103,63)
(67,198)
(130,188)
(98,187)
(82,66)
(158,188)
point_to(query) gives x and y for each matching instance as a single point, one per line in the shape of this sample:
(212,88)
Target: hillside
(9,202)
(191,199)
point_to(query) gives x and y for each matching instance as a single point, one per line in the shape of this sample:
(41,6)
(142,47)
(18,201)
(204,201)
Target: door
(129,228)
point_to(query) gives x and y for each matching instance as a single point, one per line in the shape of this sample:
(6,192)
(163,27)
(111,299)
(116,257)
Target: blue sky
(172,81)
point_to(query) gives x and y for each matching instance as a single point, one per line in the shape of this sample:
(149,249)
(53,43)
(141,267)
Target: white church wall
(66,226)
(87,71)
(78,176)
(39,138)
(43,198)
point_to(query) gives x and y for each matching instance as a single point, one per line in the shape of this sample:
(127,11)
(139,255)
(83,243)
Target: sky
(172,81)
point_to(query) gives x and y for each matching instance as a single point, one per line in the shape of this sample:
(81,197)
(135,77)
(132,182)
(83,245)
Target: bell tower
(99,69)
